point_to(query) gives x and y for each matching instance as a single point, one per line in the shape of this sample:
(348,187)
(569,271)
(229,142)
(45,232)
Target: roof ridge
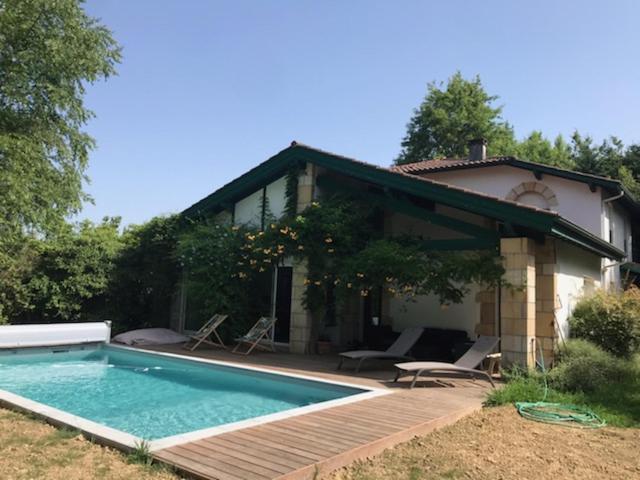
(430,180)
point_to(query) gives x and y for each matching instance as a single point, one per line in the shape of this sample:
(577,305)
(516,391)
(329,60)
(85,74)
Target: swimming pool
(124,395)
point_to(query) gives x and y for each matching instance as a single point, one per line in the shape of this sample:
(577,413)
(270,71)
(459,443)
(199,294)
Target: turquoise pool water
(153,396)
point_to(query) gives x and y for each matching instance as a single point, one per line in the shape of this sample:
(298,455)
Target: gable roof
(448,164)
(507,211)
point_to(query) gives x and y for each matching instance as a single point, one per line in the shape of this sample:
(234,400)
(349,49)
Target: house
(561,234)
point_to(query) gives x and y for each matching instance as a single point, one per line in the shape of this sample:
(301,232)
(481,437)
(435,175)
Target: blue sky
(208,89)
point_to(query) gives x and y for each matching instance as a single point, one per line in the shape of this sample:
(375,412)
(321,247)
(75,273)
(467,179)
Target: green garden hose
(558,413)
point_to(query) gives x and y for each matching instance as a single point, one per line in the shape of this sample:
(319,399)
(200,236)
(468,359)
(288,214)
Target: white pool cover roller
(51,334)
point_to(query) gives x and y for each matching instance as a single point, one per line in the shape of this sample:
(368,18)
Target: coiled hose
(558,413)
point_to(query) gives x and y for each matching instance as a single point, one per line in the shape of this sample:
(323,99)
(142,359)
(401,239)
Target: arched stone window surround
(534,187)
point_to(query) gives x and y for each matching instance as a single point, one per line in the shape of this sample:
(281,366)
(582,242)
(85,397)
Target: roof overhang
(540,220)
(615,187)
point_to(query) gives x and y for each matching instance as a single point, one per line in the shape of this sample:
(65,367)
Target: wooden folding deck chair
(263,331)
(209,329)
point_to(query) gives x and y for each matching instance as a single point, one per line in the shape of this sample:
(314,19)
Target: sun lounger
(259,336)
(398,350)
(464,365)
(209,329)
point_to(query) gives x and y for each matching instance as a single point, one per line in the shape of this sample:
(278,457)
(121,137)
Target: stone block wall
(518,302)
(300,331)
(487,322)
(546,297)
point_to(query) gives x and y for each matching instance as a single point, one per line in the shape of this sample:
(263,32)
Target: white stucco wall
(576,202)
(276,197)
(616,227)
(575,268)
(248,210)
(426,311)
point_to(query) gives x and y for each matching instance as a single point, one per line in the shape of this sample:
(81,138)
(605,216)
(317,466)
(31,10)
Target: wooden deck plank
(258,439)
(251,467)
(310,438)
(380,417)
(315,451)
(346,425)
(195,468)
(241,456)
(309,446)
(192,451)
(334,433)
(278,457)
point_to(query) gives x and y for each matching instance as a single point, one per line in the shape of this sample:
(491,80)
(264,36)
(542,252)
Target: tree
(536,148)
(450,117)
(145,274)
(49,51)
(73,271)
(604,159)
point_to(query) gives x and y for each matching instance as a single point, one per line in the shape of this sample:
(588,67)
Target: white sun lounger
(398,350)
(464,365)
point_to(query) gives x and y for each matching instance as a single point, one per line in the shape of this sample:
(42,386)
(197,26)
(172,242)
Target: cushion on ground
(150,336)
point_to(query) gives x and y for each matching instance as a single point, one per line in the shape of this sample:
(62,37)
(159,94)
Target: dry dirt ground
(30,449)
(497,443)
(492,444)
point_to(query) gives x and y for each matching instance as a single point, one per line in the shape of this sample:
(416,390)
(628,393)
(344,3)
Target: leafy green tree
(604,159)
(451,116)
(536,148)
(632,160)
(49,52)
(73,271)
(145,275)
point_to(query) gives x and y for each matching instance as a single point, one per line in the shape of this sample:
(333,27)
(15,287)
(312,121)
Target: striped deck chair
(263,331)
(209,329)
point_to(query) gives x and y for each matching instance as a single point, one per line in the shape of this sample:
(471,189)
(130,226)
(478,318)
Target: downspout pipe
(608,201)
(614,198)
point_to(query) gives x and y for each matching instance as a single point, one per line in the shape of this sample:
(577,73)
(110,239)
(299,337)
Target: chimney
(477,149)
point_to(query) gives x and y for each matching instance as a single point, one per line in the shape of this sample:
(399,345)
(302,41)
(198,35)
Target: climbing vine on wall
(346,256)
(291,191)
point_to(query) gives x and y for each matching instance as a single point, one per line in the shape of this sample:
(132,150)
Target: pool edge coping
(126,441)
(181,438)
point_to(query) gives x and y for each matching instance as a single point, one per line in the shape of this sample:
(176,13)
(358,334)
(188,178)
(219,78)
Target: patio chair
(207,330)
(259,336)
(398,350)
(466,364)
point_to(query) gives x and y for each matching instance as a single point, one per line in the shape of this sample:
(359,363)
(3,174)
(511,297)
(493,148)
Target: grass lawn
(497,443)
(31,449)
(617,402)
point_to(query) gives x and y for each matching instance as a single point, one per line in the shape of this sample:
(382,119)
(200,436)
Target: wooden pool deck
(311,445)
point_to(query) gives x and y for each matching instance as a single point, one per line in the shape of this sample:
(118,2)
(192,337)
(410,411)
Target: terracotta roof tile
(445,163)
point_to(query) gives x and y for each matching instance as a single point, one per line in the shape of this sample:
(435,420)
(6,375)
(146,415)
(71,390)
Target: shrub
(610,320)
(72,272)
(145,274)
(585,367)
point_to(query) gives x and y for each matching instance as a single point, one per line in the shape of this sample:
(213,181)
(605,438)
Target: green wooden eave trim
(405,207)
(568,231)
(536,219)
(250,182)
(631,267)
(431,190)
